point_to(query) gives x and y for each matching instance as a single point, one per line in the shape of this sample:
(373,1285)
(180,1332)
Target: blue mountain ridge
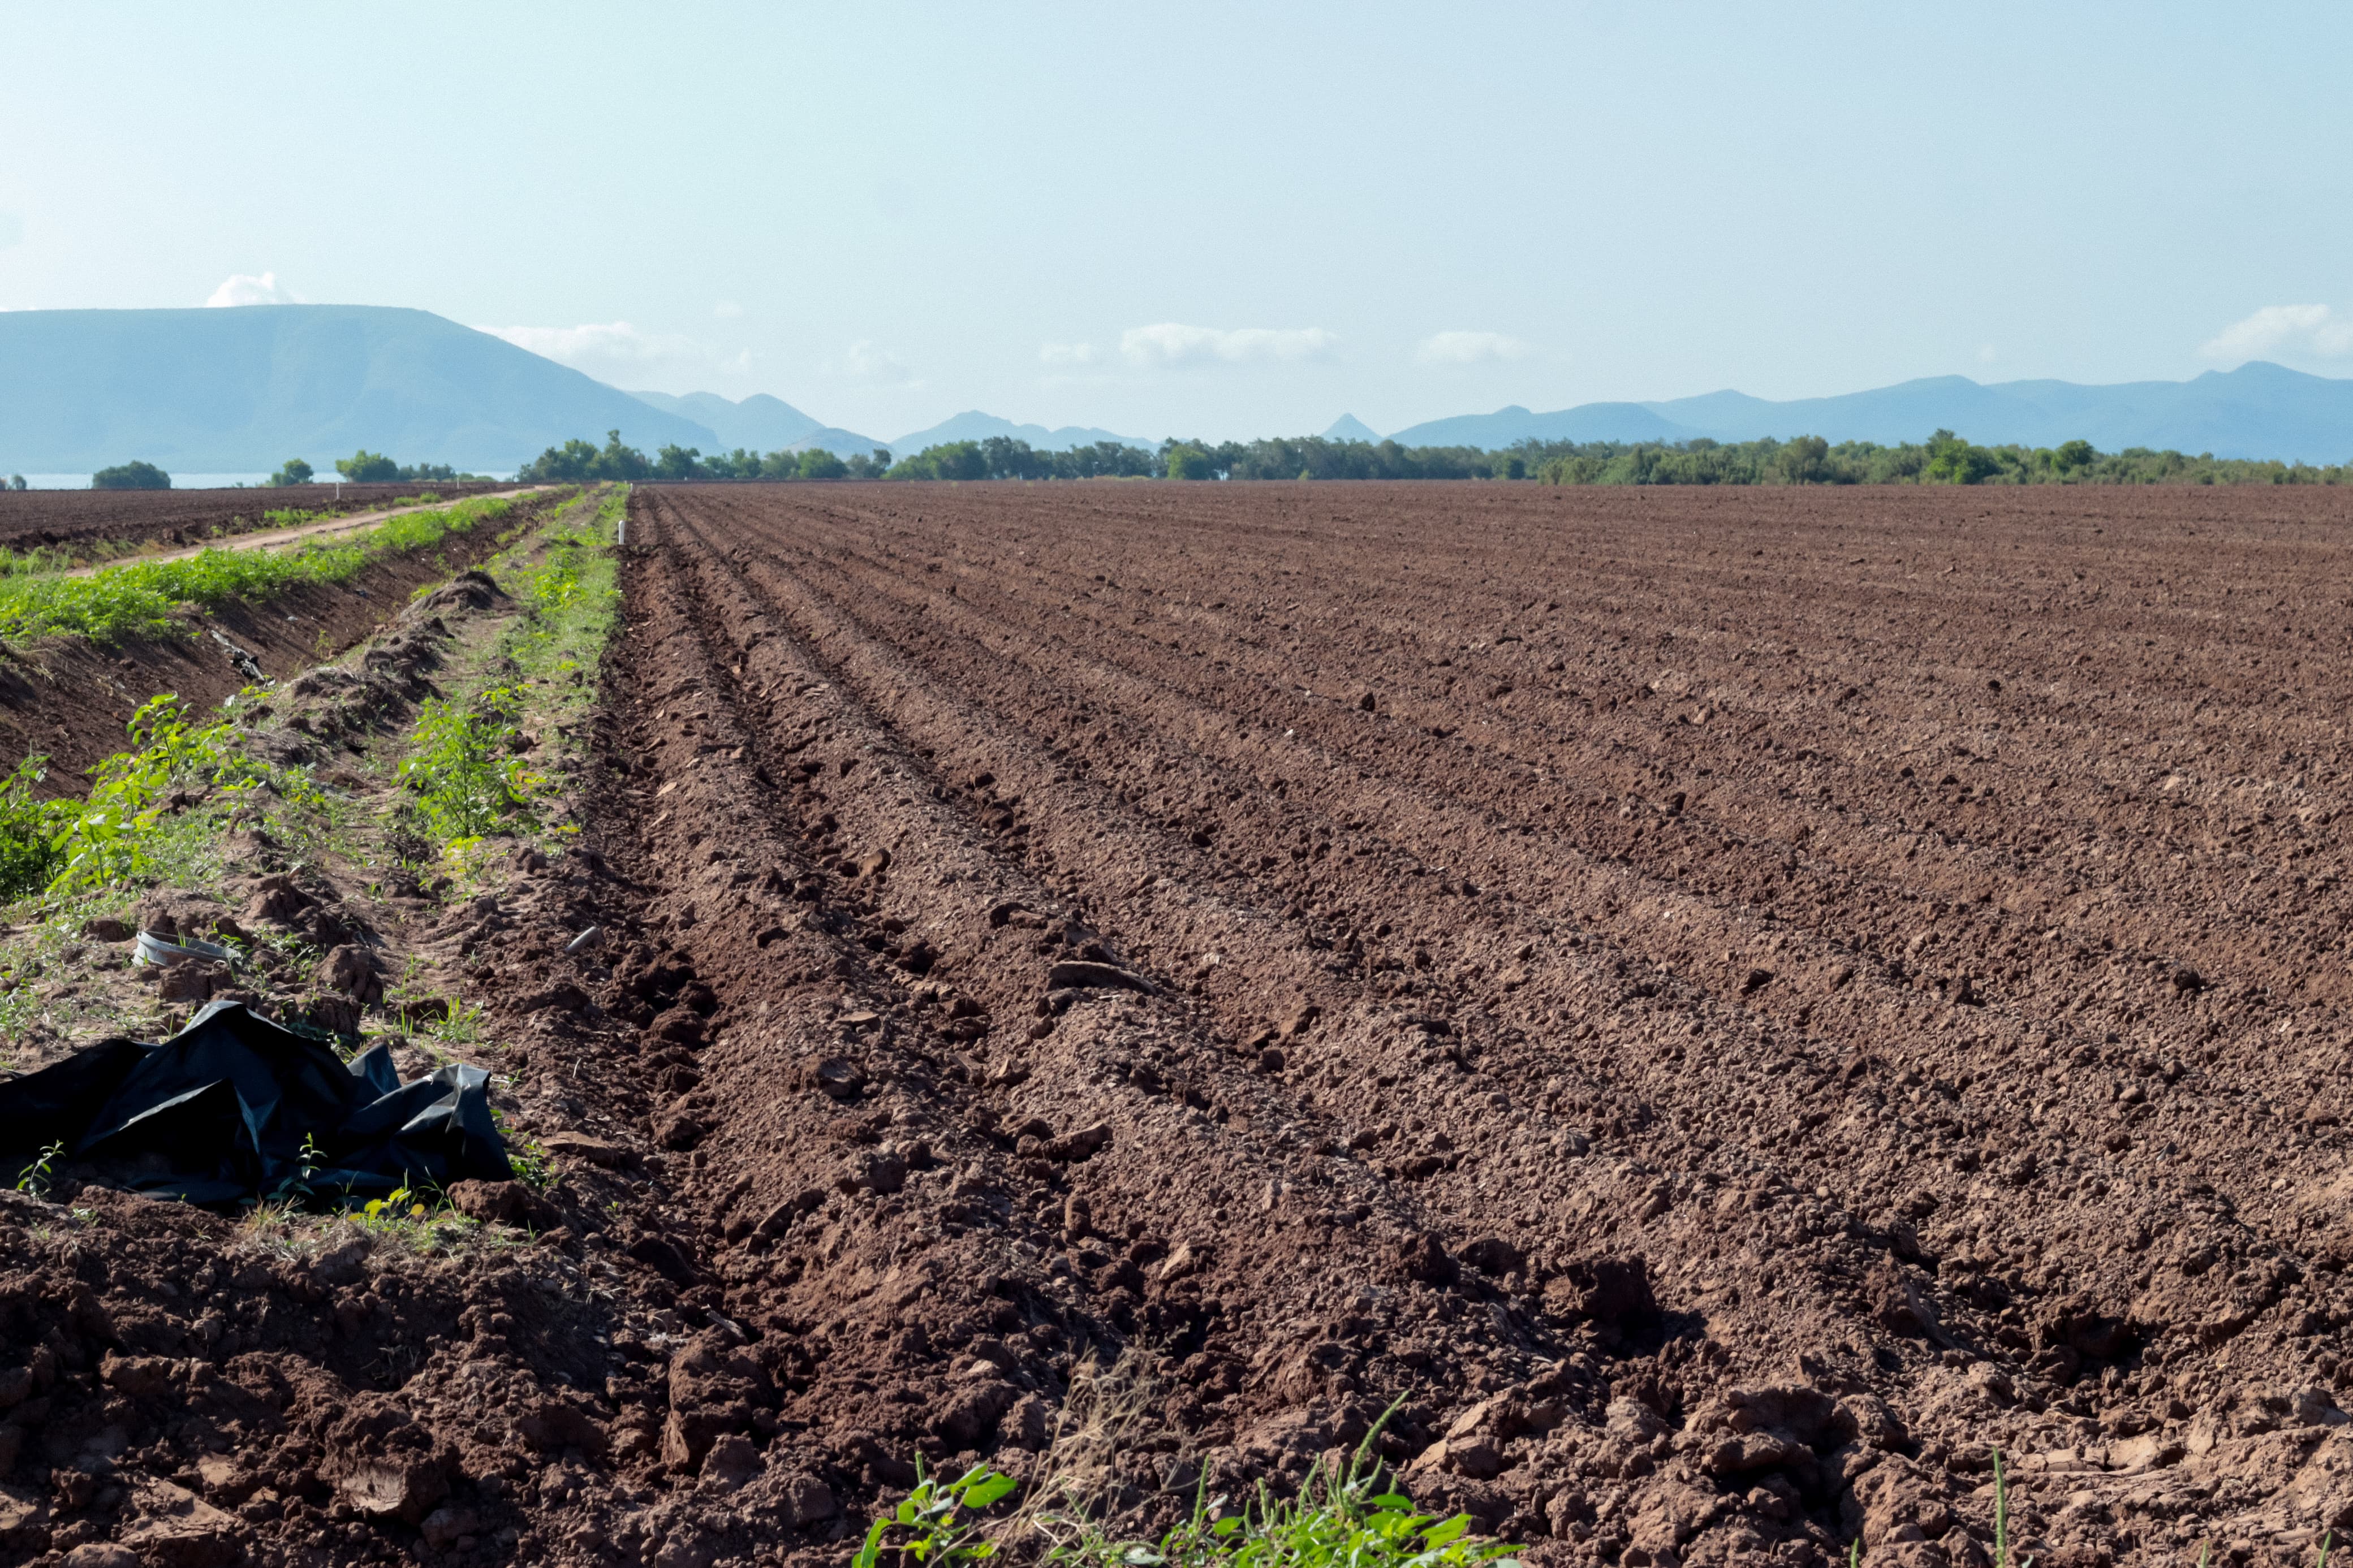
(766,424)
(759,423)
(2259,410)
(242,389)
(974,425)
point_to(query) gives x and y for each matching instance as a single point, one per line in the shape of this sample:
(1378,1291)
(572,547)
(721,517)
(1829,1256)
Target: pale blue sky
(1218,220)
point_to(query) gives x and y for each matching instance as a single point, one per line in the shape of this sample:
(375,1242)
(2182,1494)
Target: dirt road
(74,519)
(275,539)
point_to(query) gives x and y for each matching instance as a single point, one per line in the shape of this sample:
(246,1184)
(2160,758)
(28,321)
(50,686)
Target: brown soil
(1729,1004)
(29,518)
(69,698)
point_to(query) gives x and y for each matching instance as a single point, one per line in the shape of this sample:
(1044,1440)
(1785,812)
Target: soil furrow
(860,1159)
(1607,887)
(1714,1059)
(1659,954)
(1874,864)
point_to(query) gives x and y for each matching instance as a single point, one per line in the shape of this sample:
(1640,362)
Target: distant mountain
(1348,427)
(974,425)
(242,389)
(1588,422)
(840,443)
(2259,410)
(759,423)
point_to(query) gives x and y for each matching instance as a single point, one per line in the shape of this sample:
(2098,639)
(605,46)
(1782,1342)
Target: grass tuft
(1340,1519)
(526,1156)
(2000,1515)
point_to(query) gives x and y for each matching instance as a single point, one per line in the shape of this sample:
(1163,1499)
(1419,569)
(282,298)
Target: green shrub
(112,835)
(366,468)
(461,769)
(816,463)
(29,829)
(133,475)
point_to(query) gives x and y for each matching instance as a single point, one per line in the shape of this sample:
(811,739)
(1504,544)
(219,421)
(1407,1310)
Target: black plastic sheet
(221,1112)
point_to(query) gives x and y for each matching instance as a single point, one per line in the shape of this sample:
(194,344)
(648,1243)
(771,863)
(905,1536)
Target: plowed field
(1714,1011)
(1732,1004)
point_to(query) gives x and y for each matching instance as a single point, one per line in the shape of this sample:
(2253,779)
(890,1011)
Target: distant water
(179,481)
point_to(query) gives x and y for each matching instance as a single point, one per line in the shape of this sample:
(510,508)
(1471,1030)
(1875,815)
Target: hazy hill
(2258,410)
(974,425)
(1348,427)
(243,389)
(758,424)
(227,391)
(839,442)
(1588,422)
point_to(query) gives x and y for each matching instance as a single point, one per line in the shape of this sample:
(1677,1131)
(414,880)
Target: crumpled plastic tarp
(219,1112)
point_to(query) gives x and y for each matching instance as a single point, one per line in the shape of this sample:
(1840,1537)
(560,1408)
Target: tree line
(366,468)
(998,458)
(1943,458)
(580,462)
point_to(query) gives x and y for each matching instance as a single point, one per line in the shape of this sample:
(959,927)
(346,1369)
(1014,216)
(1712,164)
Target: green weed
(462,770)
(571,593)
(940,1522)
(296,1187)
(115,834)
(40,560)
(405,1215)
(35,1177)
(525,1154)
(464,766)
(398,1204)
(29,829)
(2000,1515)
(1353,1518)
(461,1025)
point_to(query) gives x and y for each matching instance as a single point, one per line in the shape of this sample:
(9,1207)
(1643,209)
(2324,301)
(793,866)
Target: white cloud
(607,343)
(865,360)
(244,288)
(2296,331)
(727,310)
(1169,343)
(1469,348)
(1067,354)
(622,354)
